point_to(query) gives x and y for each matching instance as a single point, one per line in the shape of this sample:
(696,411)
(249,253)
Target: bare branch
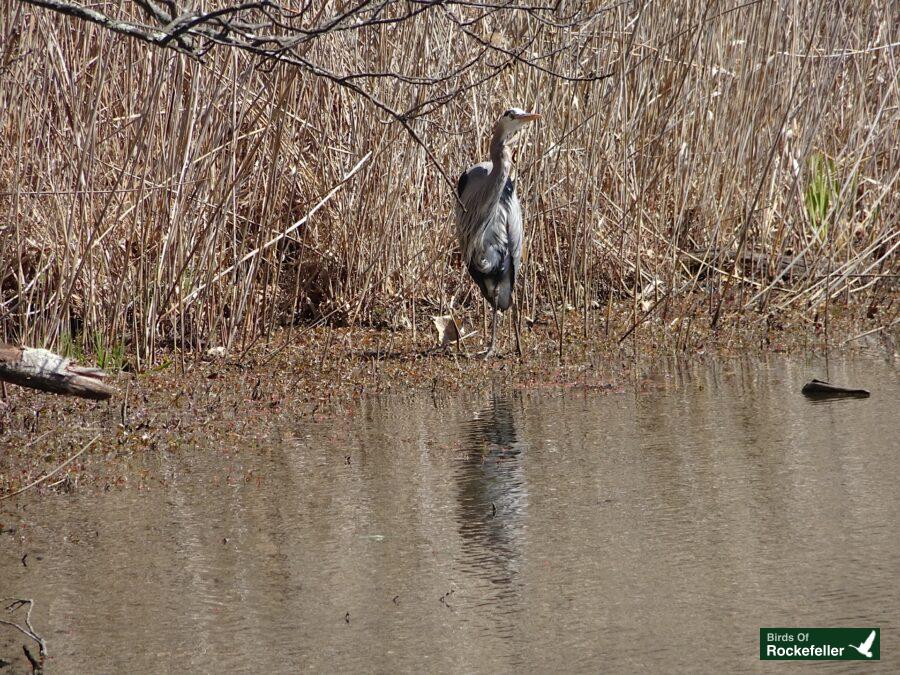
(154,36)
(38,482)
(27,629)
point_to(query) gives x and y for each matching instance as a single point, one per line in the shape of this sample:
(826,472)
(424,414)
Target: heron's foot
(486,354)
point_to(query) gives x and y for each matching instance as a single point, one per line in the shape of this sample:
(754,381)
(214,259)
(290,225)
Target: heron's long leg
(493,332)
(515,319)
(490,350)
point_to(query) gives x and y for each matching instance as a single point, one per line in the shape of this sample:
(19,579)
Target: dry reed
(742,159)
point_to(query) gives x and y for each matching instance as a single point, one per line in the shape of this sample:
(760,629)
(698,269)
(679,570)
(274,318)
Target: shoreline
(190,403)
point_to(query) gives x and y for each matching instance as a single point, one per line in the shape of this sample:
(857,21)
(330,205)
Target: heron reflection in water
(493,501)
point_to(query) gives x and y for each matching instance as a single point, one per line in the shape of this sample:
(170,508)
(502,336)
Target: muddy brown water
(655,528)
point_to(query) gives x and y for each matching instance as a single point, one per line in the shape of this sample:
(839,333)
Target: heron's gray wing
(502,250)
(469,212)
(489,226)
(471,180)
(514,230)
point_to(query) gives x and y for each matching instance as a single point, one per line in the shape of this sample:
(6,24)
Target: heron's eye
(508,113)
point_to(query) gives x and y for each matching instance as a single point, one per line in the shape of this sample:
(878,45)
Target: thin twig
(190,298)
(869,332)
(29,631)
(46,476)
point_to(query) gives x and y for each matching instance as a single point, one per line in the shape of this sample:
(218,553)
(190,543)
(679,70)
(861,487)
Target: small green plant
(109,357)
(821,193)
(70,347)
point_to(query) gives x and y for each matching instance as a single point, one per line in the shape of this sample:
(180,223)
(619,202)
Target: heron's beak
(529,117)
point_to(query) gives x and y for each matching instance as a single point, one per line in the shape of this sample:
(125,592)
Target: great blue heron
(489,219)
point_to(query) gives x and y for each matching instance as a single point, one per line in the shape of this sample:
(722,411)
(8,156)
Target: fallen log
(44,370)
(822,389)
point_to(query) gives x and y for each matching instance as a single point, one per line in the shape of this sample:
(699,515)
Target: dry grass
(741,162)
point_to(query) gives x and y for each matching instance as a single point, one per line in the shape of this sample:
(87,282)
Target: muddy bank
(247,398)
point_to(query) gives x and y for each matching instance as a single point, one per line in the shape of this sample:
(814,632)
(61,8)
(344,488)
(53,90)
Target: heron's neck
(500,158)
(501,161)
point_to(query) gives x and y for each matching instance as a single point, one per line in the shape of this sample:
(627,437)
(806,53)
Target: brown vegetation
(740,163)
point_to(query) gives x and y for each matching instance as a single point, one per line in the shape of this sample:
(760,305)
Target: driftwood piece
(822,389)
(44,370)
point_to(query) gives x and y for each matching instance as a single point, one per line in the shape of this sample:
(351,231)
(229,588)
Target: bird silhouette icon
(865,648)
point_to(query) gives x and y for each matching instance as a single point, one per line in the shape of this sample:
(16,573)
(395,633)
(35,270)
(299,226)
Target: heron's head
(513,120)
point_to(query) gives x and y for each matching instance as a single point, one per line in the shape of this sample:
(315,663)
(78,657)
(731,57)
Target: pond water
(657,528)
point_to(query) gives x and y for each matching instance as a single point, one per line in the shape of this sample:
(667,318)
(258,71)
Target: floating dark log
(44,370)
(821,389)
